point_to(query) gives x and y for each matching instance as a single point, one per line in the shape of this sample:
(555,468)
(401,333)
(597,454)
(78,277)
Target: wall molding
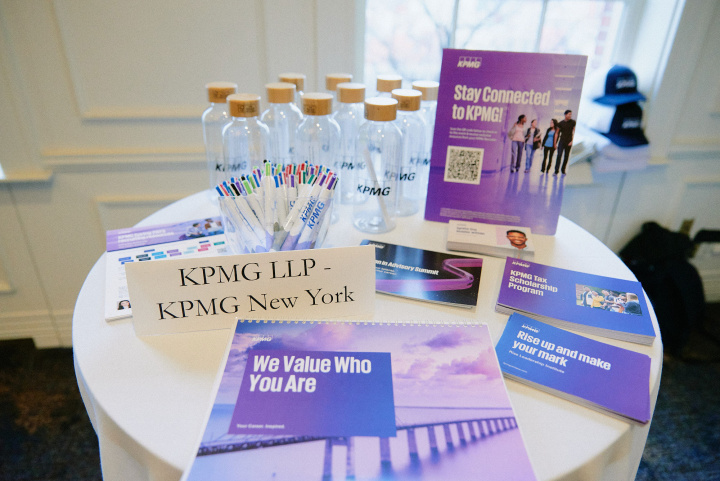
(37,325)
(110,207)
(694,149)
(84,108)
(63,326)
(65,159)
(147,112)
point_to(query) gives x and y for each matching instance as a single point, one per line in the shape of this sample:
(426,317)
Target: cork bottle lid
(333,79)
(280,92)
(388,83)
(429,88)
(244,105)
(351,92)
(294,78)
(408,99)
(380,108)
(317,104)
(218,91)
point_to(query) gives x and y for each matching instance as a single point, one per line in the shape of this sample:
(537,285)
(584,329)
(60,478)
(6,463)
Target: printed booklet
(426,275)
(314,400)
(604,306)
(489,239)
(194,238)
(495,114)
(597,375)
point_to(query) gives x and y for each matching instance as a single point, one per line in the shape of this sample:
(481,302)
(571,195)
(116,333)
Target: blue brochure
(597,375)
(604,306)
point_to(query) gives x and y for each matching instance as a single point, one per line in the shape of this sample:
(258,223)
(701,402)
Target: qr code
(463,165)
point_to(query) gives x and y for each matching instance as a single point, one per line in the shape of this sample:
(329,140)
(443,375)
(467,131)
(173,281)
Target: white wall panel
(591,205)
(663,117)
(122,210)
(65,225)
(290,41)
(698,126)
(696,201)
(24,311)
(17,153)
(128,76)
(340,26)
(138,59)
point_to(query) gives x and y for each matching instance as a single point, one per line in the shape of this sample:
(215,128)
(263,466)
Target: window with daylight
(407,37)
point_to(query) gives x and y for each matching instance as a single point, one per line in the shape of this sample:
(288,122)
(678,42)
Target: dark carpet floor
(45,433)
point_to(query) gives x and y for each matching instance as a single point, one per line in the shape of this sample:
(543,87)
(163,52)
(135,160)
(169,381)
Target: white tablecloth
(147,397)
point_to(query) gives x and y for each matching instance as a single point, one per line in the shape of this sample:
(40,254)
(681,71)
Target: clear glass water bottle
(298,79)
(387,83)
(213,120)
(245,137)
(412,180)
(282,117)
(428,107)
(331,82)
(318,135)
(379,144)
(349,116)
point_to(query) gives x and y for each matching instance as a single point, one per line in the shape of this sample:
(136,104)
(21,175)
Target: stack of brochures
(426,275)
(489,239)
(607,378)
(604,306)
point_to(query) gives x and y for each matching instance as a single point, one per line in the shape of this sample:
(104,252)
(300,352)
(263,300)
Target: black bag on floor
(659,259)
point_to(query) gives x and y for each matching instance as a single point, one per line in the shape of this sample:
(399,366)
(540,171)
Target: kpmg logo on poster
(469,62)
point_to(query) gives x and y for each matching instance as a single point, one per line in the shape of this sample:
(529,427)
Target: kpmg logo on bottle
(469,62)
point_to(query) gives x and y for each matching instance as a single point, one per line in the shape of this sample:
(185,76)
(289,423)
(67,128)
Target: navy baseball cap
(620,87)
(626,126)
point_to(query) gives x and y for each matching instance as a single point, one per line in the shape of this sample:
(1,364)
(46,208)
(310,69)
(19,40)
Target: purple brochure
(589,372)
(133,237)
(426,275)
(314,400)
(482,168)
(600,305)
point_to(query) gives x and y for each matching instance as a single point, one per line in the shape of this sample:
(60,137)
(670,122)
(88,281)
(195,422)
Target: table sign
(212,292)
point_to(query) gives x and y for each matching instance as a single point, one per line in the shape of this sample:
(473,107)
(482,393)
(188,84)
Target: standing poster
(504,131)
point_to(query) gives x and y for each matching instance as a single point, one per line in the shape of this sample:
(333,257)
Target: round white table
(147,397)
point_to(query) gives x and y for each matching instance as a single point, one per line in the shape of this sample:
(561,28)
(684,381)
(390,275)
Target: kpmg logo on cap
(469,62)
(625,83)
(632,123)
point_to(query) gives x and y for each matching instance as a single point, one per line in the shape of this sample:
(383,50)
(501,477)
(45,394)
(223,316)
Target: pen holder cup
(305,226)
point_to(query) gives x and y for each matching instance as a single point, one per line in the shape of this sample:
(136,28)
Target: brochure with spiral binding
(426,275)
(313,400)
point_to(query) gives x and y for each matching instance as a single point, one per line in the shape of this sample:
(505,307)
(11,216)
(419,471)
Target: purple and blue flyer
(605,306)
(315,400)
(592,373)
(504,131)
(426,275)
(133,237)
(193,238)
